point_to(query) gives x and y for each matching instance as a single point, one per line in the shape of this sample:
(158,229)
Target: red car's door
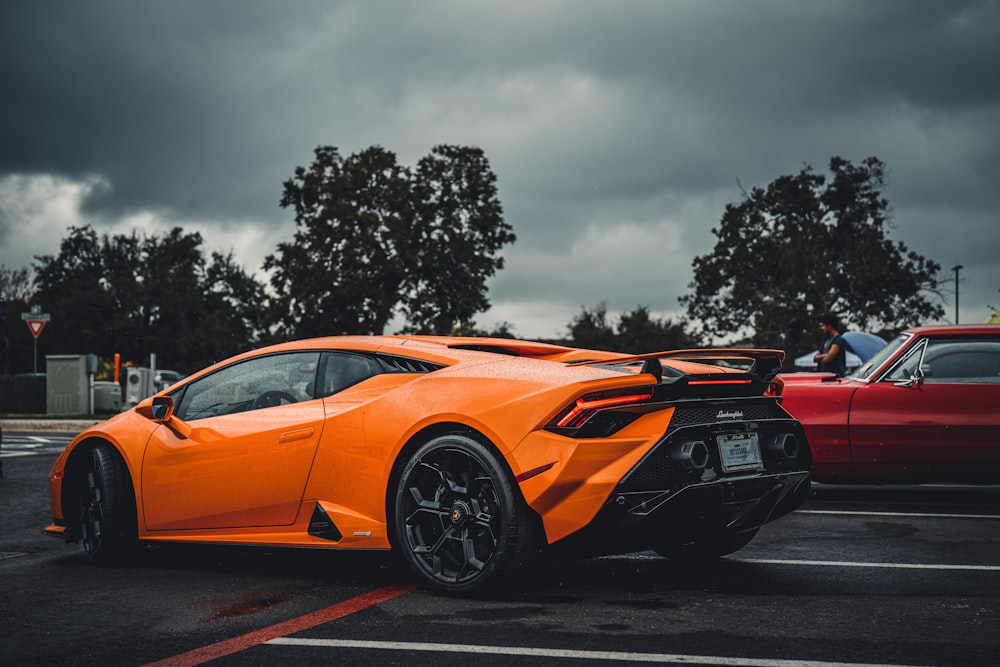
(947,421)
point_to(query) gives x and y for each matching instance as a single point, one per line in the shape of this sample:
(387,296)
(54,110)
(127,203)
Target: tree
(15,284)
(15,294)
(136,296)
(639,333)
(636,332)
(374,239)
(590,329)
(459,230)
(804,246)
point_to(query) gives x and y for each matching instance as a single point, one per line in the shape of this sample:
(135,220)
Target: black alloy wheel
(460,523)
(107,517)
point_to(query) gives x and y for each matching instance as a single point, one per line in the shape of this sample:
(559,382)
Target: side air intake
(395,364)
(320,525)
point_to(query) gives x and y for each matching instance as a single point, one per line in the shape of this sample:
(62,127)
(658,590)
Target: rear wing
(763,363)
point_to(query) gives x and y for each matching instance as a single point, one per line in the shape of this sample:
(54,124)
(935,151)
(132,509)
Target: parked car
(925,408)
(468,456)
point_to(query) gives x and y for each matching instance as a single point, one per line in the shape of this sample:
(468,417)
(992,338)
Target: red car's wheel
(460,524)
(107,506)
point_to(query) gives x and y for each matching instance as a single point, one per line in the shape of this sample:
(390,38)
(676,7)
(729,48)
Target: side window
(344,369)
(966,361)
(264,382)
(907,367)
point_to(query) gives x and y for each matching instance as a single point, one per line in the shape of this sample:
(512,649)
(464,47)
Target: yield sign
(36,326)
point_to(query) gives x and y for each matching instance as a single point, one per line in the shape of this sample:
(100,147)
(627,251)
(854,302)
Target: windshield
(866,369)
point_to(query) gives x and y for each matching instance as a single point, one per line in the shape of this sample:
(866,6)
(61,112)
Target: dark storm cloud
(610,125)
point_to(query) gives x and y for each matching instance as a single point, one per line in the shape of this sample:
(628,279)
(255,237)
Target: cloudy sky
(618,130)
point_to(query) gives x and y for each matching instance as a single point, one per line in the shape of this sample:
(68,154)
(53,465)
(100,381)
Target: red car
(926,408)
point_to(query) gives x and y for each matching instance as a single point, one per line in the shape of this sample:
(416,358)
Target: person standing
(832,355)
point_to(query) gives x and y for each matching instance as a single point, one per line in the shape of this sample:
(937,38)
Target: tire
(106,509)
(459,523)
(705,548)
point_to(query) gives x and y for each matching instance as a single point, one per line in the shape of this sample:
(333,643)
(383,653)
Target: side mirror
(163,408)
(916,378)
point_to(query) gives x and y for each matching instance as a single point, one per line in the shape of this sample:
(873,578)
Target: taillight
(579,412)
(694,383)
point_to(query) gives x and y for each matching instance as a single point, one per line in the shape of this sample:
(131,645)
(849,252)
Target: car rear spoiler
(763,363)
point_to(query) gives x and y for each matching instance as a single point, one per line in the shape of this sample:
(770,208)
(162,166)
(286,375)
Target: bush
(22,394)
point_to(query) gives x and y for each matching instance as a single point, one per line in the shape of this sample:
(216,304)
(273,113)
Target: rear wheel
(460,524)
(106,510)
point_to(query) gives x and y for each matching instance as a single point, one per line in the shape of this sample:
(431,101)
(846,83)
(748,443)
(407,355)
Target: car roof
(945,329)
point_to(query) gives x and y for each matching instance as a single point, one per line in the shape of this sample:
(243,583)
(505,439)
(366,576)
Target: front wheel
(459,523)
(106,510)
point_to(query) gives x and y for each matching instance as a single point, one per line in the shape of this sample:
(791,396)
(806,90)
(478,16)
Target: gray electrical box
(107,397)
(138,385)
(67,388)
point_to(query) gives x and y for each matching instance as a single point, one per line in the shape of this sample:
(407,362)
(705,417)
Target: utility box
(138,385)
(107,397)
(142,382)
(67,387)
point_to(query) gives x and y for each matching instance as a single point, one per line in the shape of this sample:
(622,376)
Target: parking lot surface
(859,575)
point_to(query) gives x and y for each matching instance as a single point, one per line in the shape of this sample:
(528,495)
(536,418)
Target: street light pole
(956,269)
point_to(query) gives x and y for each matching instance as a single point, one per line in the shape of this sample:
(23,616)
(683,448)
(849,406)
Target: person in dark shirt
(832,355)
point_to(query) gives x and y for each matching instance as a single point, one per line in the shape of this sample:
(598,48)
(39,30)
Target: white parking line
(847,563)
(621,656)
(903,514)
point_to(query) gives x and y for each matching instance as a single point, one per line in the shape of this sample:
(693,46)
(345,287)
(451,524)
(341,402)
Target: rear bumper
(640,520)
(670,499)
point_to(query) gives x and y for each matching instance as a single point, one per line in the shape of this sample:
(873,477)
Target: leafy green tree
(806,245)
(15,339)
(15,284)
(499,330)
(590,329)
(638,333)
(374,239)
(459,229)
(136,296)
(635,332)
(74,287)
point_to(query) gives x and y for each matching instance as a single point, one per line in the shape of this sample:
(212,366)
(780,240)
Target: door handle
(297,434)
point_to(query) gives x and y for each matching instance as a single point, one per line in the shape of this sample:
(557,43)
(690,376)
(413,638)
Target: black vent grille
(658,471)
(655,473)
(684,416)
(395,364)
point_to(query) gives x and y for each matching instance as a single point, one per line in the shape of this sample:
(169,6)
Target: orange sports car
(468,456)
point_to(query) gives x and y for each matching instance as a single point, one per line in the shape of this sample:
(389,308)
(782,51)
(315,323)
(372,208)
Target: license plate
(740,451)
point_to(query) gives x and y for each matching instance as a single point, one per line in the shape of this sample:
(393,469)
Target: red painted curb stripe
(229,646)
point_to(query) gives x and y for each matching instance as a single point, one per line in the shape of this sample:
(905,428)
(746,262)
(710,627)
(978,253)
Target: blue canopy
(864,344)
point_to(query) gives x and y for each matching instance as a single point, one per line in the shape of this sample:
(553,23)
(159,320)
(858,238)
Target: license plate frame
(740,451)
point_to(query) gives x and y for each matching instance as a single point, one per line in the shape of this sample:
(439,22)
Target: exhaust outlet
(784,445)
(691,456)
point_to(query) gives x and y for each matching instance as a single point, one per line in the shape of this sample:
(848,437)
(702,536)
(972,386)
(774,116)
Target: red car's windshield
(865,370)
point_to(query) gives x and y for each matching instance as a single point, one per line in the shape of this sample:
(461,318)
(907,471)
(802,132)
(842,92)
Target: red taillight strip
(584,407)
(743,381)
